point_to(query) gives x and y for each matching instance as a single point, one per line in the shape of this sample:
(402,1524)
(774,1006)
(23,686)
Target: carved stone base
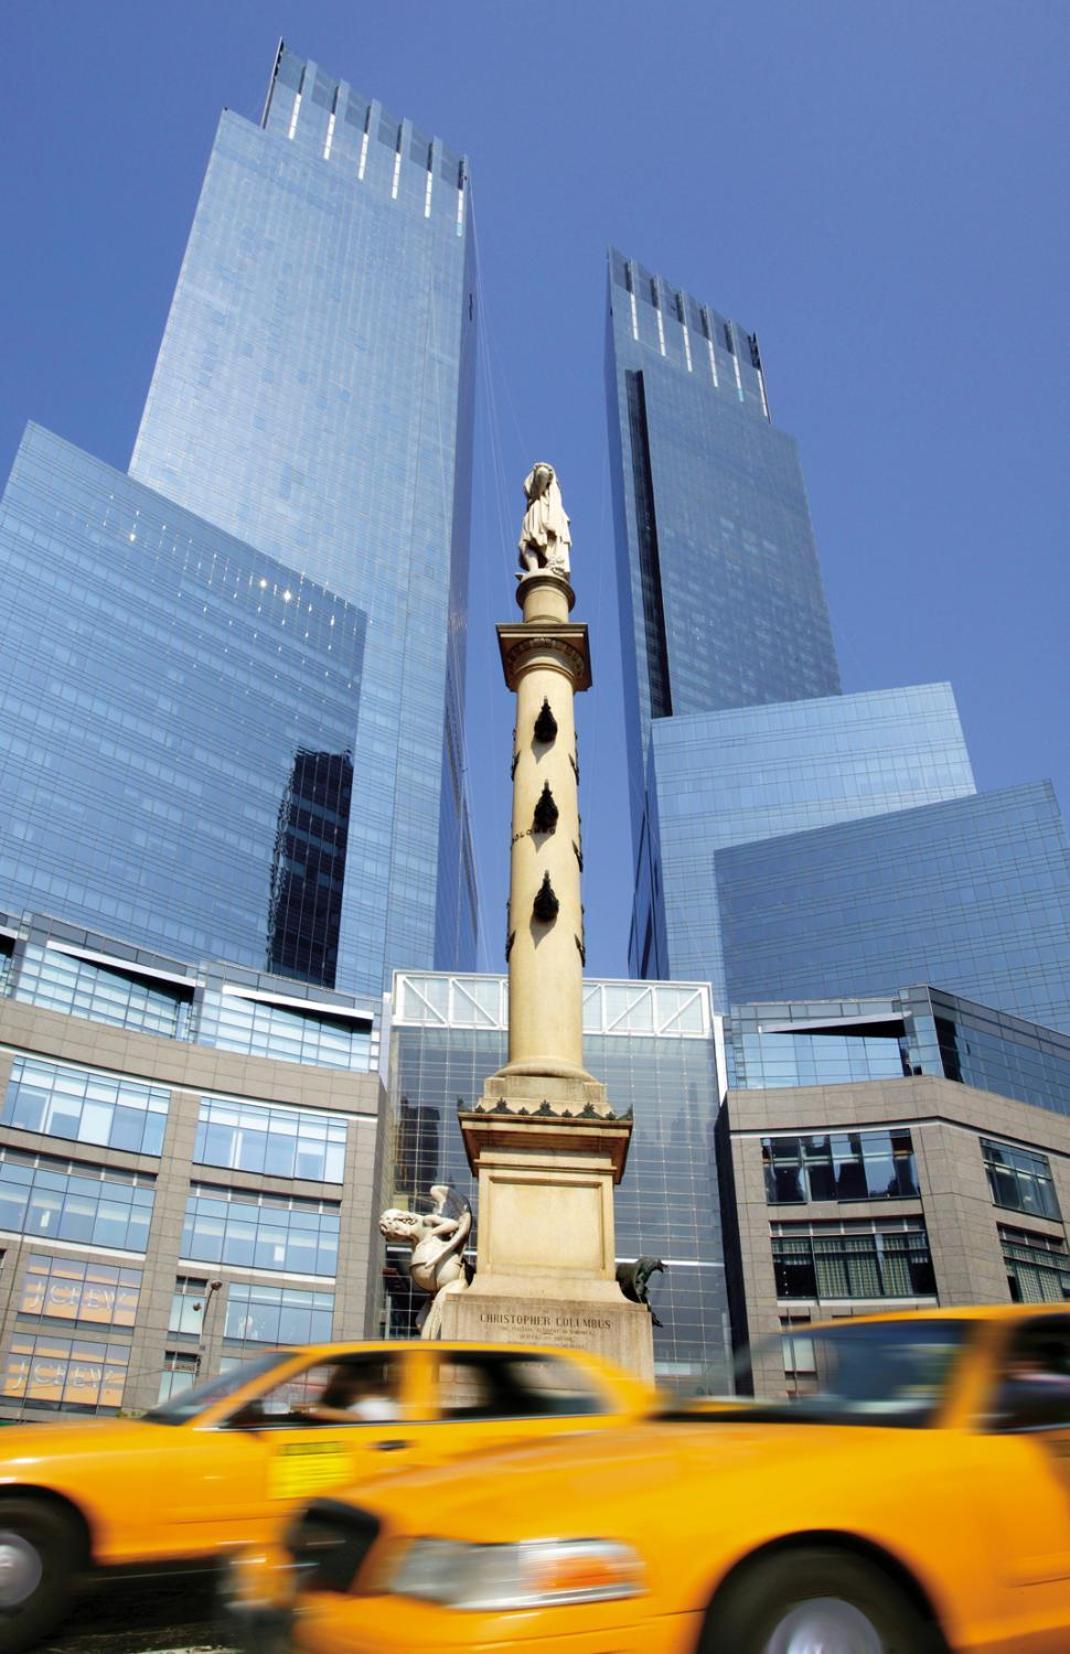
(617,1330)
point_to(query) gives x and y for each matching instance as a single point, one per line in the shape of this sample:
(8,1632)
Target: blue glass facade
(59,967)
(653,1046)
(313,396)
(920,1030)
(973,894)
(723,778)
(161,684)
(789,840)
(720,591)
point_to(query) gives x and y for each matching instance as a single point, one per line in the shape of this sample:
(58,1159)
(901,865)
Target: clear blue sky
(879,190)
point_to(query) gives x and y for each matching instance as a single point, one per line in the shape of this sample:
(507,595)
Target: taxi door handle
(392,1445)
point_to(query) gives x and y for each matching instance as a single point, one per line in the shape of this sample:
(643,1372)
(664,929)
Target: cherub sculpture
(437,1239)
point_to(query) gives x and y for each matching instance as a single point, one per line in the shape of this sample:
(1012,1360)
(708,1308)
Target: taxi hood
(24,1444)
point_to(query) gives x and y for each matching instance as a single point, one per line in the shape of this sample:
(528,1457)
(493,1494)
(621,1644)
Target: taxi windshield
(893,1373)
(188,1403)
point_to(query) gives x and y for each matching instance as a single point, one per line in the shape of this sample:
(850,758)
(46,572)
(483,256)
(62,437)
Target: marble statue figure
(544,536)
(437,1240)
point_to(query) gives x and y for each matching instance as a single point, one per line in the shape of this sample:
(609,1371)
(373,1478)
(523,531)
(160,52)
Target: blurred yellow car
(911,1496)
(210,1469)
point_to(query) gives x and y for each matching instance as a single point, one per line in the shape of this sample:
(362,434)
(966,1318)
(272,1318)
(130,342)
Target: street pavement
(146,1617)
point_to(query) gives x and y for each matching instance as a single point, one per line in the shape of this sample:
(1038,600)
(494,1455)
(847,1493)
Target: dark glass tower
(784,832)
(720,590)
(313,397)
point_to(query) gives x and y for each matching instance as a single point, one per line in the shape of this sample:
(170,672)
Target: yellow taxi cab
(912,1496)
(210,1469)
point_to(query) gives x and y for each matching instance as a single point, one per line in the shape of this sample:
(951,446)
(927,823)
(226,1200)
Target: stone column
(543,1139)
(546,661)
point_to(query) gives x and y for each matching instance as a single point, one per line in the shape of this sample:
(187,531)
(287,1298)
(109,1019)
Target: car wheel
(816,1602)
(39,1559)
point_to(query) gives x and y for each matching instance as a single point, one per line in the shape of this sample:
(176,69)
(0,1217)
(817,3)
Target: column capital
(558,646)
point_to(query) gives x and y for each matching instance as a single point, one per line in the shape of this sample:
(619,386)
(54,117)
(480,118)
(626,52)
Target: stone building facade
(887,1194)
(142,1162)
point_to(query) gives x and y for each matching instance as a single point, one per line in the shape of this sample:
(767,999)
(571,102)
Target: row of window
(76,1289)
(75,1374)
(110,1111)
(79,1374)
(65,1200)
(279,1142)
(855,1165)
(102,1206)
(260,1231)
(836,1261)
(231,1022)
(879,1165)
(254,1313)
(1038,1267)
(85,1106)
(864,1262)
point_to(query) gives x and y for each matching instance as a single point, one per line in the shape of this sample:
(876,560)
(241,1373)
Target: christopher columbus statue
(544,537)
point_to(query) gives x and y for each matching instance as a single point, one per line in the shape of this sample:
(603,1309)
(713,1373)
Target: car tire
(40,1557)
(816,1599)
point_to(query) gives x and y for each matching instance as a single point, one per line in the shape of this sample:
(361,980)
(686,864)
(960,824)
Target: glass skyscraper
(721,778)
(721,602)
(231,696)
(163,685)
(789,841)
(972,894)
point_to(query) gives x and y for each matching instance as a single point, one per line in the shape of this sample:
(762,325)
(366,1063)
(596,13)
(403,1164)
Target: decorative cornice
(563,647)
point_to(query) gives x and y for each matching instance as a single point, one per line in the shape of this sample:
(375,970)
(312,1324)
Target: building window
(278,1315)
(855,1165)
(1019,1179)
(7,953)
(822,1261)
(72,1289)
(257,1028)
(260,1231)
(179,1373)
(64,1200)
(282,1142)
(187,1306)
(1038,1267)
(62,982)
(68,1373)
(86,1106)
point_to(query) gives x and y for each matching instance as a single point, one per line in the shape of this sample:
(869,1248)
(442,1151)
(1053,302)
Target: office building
(717,779)
(721,602)
(189,1168)
(313,396)
(654,1045)
(167,696)
(890,1153)
(789,841)
(230,701)
(973,893)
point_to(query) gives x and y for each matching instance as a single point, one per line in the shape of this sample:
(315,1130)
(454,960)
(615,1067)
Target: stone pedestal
(548,1152)
(619,1332)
